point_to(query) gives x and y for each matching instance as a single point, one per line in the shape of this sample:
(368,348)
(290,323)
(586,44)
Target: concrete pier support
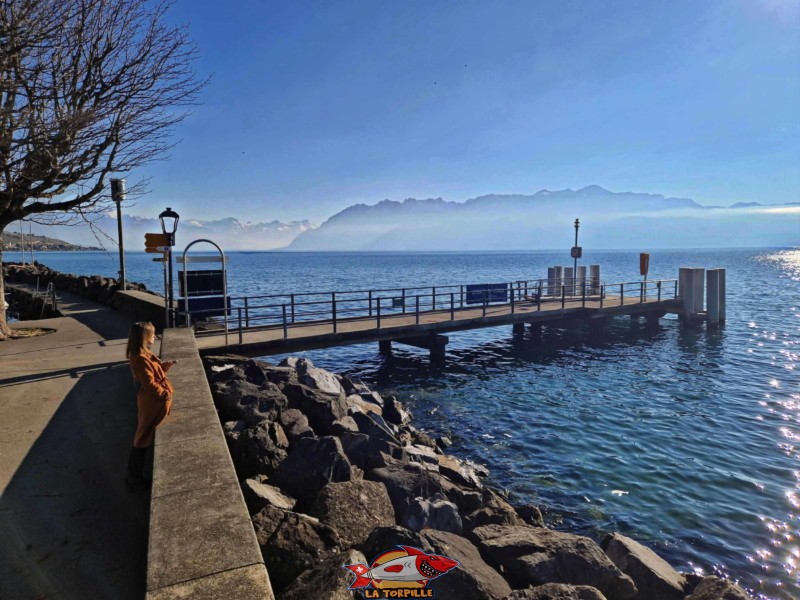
(686,290)
(721,294)
(551,281)
(712,296)
(580,281)
(435,343)
(569,281)
(385,347)
(558,280)
(594,275)
(699,289)
(518,328)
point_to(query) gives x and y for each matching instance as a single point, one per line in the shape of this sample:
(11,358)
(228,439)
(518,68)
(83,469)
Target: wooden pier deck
(424,329)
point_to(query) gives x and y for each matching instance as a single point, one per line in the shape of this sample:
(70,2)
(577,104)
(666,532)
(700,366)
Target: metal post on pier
(285,327)
(333,310)
(292,299)
(379,312)
(453,306)
(417,311)
(246,313)
(239,310)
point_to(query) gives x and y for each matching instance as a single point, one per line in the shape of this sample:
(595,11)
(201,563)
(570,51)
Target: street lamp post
(118,195)
(169,225)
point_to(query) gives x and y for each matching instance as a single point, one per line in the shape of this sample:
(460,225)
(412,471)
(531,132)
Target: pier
(421,317)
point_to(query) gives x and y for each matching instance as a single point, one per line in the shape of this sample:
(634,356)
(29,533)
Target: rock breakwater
(335,474)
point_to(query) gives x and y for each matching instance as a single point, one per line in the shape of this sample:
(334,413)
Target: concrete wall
(202,542)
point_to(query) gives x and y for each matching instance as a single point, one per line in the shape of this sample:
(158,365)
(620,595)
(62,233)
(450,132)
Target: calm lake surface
(685,439)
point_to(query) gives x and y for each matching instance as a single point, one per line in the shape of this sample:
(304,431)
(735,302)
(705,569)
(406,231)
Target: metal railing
(336,308)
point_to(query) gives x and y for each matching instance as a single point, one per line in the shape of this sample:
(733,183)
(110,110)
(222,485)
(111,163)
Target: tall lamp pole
(118,195)
(169,225)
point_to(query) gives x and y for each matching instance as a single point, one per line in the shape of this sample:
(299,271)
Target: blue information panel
(487,292)
(202,283)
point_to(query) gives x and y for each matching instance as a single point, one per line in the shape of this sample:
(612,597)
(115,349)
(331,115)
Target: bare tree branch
(87,88)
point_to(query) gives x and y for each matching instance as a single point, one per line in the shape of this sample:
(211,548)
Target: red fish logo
(407,567)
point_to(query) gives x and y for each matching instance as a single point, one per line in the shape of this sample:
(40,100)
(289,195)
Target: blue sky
(314,106)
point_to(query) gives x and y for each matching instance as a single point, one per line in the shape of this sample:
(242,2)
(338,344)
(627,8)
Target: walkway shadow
(68,526)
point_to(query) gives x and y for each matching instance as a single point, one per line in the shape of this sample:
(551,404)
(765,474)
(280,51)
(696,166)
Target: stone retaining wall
(137,301)
(202,543)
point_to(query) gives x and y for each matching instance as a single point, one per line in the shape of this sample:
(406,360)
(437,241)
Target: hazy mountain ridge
(230,233)
(544,220)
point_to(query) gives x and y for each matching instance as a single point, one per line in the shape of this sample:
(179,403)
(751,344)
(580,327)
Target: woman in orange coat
(153,401)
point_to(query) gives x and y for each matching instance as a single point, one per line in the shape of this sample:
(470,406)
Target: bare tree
(87,88)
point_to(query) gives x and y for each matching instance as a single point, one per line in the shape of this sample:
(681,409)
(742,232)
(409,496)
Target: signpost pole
(575,254)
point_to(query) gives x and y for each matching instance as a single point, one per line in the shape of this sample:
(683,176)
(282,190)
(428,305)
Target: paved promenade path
(68,526)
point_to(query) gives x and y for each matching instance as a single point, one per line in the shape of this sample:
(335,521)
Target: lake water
(686,439)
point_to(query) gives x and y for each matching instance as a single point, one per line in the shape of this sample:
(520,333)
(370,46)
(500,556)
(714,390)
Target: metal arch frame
(223,261)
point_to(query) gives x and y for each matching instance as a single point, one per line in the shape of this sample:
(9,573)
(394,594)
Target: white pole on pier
(581,279)
(559,280)
(699,289)
(594,274)
(686,290)
(712,296)
(569,280)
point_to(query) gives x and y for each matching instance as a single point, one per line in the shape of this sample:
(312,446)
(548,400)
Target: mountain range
(544,220)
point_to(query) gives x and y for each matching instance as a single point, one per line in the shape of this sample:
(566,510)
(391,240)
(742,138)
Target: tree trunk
(5,332)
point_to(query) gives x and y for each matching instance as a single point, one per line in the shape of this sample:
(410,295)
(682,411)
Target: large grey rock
(321,408)
(653,576)
(714,588)
(558,591)
(254,373)
(266,521)
(327,580)
(343,426)
(295,424)
(489,515)
(312,463)
(280,376)
(382,539)
(395,412)
(354,509)
(368,452)
(297,544)
(405,483)
(458,471)
(257,495)
(257,449)
(534,556)
(238,399)
(473,578)
(531,514)
(355,403)
(434,513)
(353,385)
(318,379)
(373,425)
